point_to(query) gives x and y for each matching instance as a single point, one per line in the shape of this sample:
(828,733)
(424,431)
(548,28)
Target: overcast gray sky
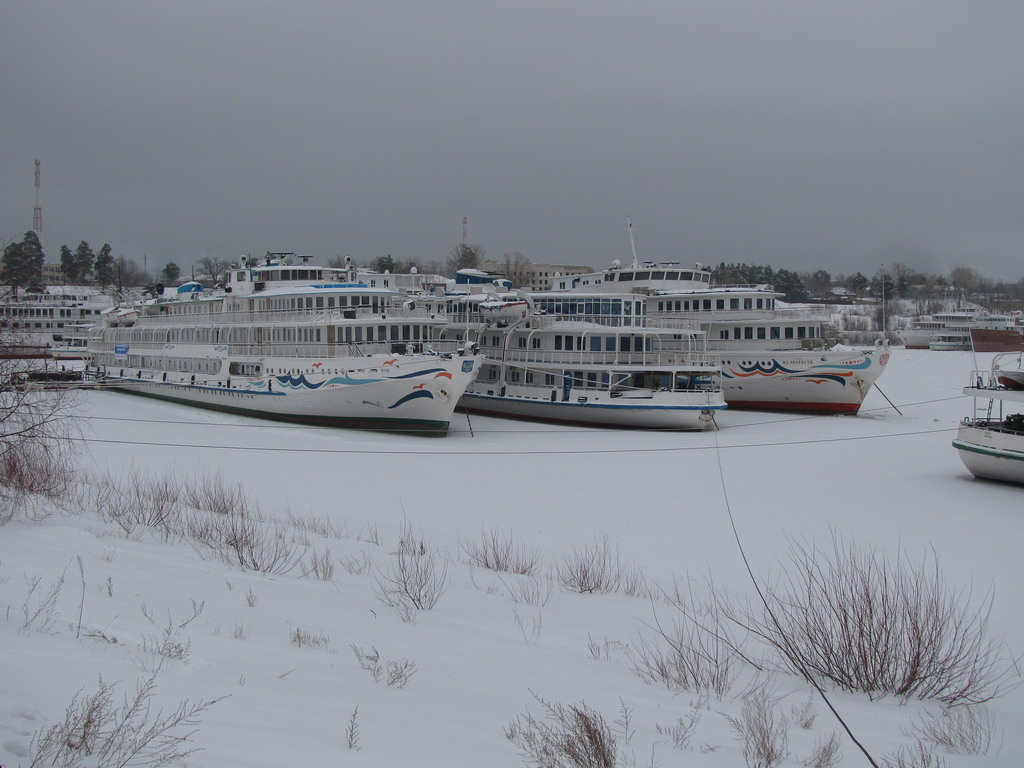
(835,135)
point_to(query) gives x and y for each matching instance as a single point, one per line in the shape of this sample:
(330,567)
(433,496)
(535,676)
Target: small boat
(991,441)
(292,342)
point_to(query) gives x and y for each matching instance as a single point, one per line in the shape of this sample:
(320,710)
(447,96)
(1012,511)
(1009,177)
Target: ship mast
(632,244)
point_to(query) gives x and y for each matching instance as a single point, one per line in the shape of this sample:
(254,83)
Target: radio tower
(37,212)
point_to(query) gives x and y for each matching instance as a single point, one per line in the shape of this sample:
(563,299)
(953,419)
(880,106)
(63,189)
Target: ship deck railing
(705,316)
(310,316)
(291,350)
(660,359)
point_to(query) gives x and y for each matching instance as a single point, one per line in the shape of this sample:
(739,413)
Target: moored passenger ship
(584,360)
(293,342)
(772,358)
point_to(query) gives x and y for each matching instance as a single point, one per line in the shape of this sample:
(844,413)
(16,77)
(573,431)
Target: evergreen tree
(171,272)
(67,264)
(791,285)
(84,259)
(103,268)
(32,258)
(13,265)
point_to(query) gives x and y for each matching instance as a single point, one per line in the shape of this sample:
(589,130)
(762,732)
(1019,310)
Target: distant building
(534,277)
(52,274)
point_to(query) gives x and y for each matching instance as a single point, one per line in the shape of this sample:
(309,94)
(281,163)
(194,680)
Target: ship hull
(809,381)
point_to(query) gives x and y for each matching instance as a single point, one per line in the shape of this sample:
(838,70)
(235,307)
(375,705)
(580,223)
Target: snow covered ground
(278,650)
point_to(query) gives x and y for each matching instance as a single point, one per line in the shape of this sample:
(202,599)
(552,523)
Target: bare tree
(213,269)
(125,275)
(464,256)
(37,428)
(515,265)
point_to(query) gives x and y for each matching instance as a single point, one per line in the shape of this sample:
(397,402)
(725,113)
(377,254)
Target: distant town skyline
(801,136)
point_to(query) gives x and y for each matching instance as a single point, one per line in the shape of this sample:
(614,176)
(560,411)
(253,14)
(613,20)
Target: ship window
(789,332)
(549,379)
(775,332)
(535,342)
(522,342)
(643,275)
(760,303)
(558,342)
(625,276)
(720,304)
(760,332)
(748,332)
(734,304)
(686,275)
(748,303)
(671,275)
(801,332)
(595,343)
(624,344)
(724,333)
(657,275)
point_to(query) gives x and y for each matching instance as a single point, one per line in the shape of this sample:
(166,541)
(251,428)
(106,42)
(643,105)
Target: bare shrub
(417,577)
(804,713)
(694,653)
(40,608)
(256,546)
(357,564)
(169,644)
(573,736)
(826,753)
(530,628)
(395,673)
(882,626)
(760,729)
(35,468)
(320,565)
(606,650)
(681,731)
(321,526)
(592,568)
(964,730)
(502,552)
(38,429)
(96,732)
(532,590)
(352,730)
(302,638)
(920,754)
(209,493)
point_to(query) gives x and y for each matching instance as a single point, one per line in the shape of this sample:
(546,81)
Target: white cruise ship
(293,342)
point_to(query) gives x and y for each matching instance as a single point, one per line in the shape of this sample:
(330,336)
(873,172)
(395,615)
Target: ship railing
(310,316)
(316,350)
(650,359)
(741,315)
(744,345)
